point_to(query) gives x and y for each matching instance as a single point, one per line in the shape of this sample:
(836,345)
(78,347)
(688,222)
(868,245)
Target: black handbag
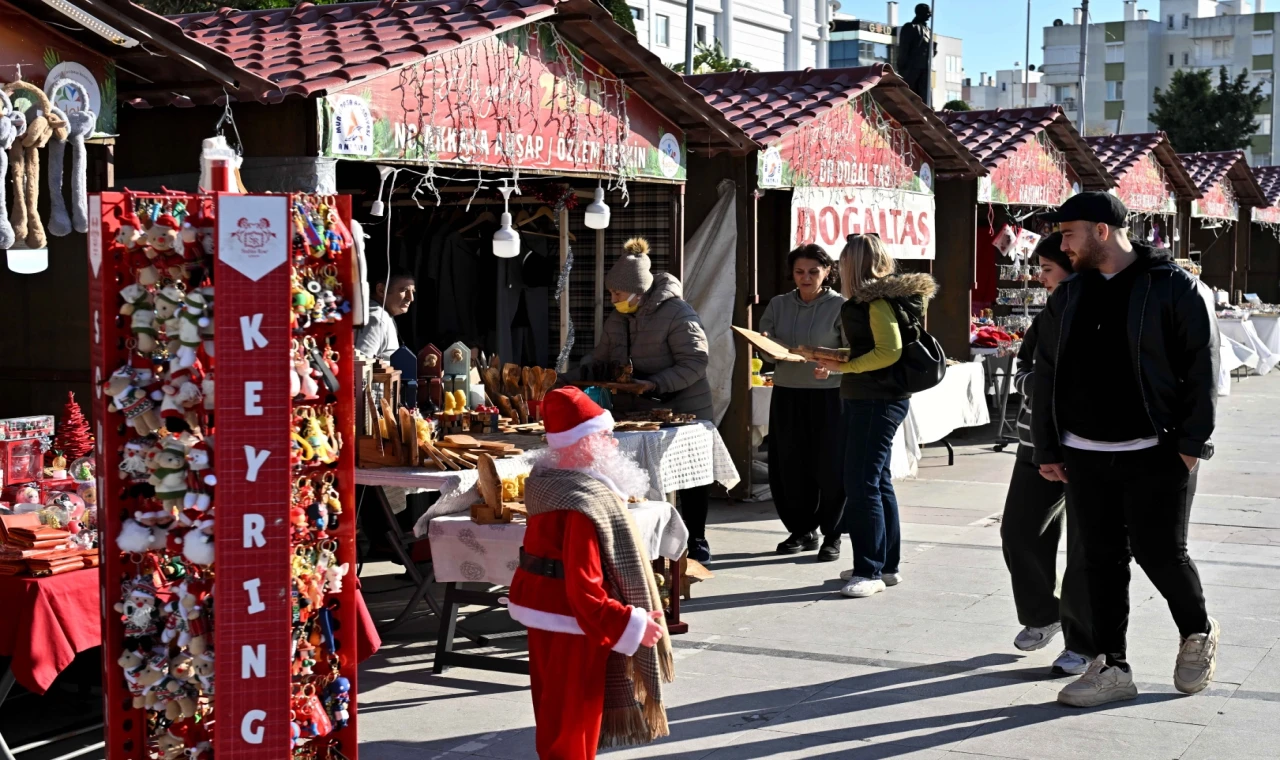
(923,363)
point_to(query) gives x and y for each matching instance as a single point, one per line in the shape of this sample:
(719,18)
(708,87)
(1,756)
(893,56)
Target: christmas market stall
(1151,181)
(838,151)
(1036,160)
(1218,223)
(1264,249)
(487,149)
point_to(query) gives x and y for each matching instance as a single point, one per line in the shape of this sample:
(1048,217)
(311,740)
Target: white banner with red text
(827,215)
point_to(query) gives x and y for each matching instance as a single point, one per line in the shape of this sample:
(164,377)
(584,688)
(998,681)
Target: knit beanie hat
(631,274)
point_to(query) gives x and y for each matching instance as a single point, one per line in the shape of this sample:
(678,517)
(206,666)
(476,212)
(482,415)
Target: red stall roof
(1120,153)
(1268,178)
(770,105)
(1208,169)
(307,49)
(997,134)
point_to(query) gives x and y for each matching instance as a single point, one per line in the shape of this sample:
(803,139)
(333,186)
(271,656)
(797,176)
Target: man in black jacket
(915,52)
(1125,387)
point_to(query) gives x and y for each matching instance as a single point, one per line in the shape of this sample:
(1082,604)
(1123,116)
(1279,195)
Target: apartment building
(1004,89)
(771,35)
(1128,59)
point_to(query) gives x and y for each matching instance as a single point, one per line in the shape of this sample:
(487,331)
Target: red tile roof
(770,105)
(1269,178)
(1120,153)
(995,135)
(308,48)
(1208,169)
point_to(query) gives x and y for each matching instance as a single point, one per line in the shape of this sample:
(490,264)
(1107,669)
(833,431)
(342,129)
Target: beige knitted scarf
(633,709)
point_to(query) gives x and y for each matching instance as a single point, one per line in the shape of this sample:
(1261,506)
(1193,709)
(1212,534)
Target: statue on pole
(916,49)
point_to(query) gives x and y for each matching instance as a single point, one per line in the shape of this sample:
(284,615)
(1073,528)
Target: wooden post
(1243,251)
(954,266)
(564,294)
(677,234)
(598,299)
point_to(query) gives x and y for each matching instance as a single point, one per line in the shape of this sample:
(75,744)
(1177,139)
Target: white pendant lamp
(506,240)
(28,260)
(597,216)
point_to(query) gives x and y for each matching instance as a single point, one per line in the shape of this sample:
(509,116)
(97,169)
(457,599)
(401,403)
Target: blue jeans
(870,507)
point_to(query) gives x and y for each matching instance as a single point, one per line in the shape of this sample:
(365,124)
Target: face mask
(629,306)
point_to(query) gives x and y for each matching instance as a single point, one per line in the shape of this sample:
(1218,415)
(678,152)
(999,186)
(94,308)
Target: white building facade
(1128,59)
(771,35)
(1004,89)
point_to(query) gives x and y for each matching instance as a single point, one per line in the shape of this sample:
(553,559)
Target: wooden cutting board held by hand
(768,346)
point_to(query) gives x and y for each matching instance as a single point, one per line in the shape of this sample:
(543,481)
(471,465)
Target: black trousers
(804,459)
(1034,517)
(694,503)
(1139,502)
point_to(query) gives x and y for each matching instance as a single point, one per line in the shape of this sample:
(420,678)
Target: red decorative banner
(251,452)
(1145,188)
(523,99)
(854,145)
(1268,215)
(904,221)
(1219,202)
(1037,174)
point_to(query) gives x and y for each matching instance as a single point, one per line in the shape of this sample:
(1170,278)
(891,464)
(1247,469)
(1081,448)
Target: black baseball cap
(1092,206)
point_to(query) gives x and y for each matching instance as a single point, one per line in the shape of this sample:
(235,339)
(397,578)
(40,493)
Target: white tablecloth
(1268,328)
(956,402)
(1233,355)
(1243,331)
(676,458)
(462,551)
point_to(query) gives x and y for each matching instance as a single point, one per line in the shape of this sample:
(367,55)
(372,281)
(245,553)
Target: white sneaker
(858,588)
(1099,685)
(1071,664)
(1197,659)
(890,579)
(1030,639)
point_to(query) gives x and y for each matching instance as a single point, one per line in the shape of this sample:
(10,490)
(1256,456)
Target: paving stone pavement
(778,665)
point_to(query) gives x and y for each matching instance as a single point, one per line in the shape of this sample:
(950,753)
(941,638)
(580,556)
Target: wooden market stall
(835,151)
(1036,160)
(1229,193)
(1263,271)
(1152,182)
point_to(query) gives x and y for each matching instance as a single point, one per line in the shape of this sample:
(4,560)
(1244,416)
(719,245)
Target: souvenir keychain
(308,388)
(332,499)
(325,366)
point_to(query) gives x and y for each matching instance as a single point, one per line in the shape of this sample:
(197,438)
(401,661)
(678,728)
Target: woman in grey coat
(654,328)
(805,435)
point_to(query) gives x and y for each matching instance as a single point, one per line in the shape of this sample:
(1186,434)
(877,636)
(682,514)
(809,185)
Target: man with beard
(598,645)
(1123,409)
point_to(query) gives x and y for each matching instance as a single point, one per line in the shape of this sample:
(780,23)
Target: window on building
(1115,52)
(1061,54)
(1171,60)
(953,95)
(662,31)
(1263,123)
(1223,49)
(873,52)
(1171,20)
(637,14)
(700,33)
(1263,43)
(1115,90)
(1186,20)
(1186,59)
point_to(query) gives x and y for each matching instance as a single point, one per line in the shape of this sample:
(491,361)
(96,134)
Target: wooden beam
(598,297)
(564,294)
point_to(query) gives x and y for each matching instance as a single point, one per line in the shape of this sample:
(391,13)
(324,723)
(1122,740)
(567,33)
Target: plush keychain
(25,159)
(12,125)
(59,219)
(191,319)
(138,305)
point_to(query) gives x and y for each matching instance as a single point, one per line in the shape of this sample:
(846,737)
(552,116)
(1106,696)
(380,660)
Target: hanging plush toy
(25,159)
(12,124)
(190,320)
(79,125)
(59,219)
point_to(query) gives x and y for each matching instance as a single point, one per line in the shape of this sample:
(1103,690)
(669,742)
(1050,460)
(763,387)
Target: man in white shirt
(392,297)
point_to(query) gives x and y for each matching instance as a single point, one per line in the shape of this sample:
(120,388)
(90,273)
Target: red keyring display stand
(266,543)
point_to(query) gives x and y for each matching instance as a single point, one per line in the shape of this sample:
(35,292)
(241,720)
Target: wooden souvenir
(405,362)
(457,369)
(430,370)
(493,509)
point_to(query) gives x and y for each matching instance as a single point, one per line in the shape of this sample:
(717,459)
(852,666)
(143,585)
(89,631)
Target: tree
(621,14)
(1200,117)
(956,105)
(72,437)
(710,59)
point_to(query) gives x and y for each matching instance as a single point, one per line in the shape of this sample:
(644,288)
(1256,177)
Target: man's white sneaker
(1197,659)
(1071,664)
(890,579)
(1099,685)
(858,588)
(1030,639)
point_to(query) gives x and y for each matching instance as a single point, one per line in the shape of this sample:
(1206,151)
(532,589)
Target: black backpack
(923,363)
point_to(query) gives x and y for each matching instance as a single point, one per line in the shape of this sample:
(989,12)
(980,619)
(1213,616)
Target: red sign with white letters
(251,451)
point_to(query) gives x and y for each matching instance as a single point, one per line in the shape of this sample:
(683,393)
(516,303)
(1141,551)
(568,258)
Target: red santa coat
(574,624)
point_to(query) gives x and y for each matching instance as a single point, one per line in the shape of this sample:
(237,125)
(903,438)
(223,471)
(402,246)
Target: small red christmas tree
(73,437)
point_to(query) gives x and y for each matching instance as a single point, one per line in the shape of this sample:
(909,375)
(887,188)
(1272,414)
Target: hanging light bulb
(506,240)
(28,260)
(597,216)
(379,208)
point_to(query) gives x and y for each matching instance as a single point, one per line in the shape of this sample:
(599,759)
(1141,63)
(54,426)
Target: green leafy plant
(107,87)
(51,58)
(1200,117)
(710,59)
(956,105)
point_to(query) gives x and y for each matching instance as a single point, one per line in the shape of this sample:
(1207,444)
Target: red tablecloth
(46,621)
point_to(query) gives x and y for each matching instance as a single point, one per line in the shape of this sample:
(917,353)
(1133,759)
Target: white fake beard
(607,463)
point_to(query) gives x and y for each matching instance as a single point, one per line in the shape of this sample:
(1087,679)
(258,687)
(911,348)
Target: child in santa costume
(598,645)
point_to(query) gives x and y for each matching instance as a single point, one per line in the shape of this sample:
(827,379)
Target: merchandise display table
(958,401)
(1234,356)
(464,552)
(1268,329)
(1244,332)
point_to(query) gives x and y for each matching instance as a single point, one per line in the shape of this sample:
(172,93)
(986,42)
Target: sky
(992,46)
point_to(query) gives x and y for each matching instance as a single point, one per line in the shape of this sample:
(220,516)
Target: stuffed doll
(169,473)
(138,306)
(25,159)
(191,318)
(200,477)
(130,390)
(12,125)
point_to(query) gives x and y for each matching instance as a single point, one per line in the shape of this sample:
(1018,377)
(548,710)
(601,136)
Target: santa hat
(198,448)
(167,220)
(569,415)
(127,217)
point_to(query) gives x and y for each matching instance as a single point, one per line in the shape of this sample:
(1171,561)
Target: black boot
(830,551)
(699,550)
(798,542)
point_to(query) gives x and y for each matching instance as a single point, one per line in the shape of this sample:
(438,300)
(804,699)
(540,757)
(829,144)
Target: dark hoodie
(1130,358)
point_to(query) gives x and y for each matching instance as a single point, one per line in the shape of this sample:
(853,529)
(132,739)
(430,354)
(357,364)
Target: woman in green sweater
(874,404)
